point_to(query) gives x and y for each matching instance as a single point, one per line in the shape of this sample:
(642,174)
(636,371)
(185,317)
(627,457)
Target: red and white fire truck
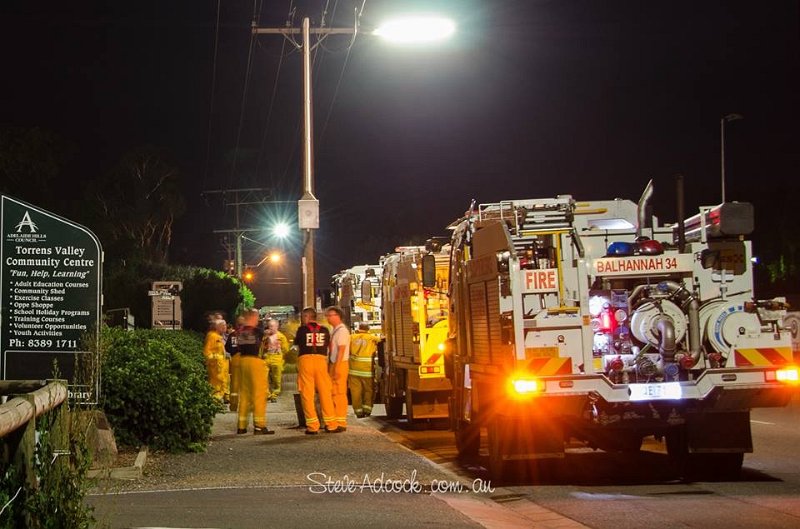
(590,321)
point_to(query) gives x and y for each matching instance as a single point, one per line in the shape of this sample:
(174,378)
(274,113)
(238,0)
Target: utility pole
(308,205)
(412,29)
(236,198)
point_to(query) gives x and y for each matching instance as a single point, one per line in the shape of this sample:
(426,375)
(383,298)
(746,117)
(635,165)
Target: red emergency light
(606,321)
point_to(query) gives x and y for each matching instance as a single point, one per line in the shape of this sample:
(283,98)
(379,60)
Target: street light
(406,30)
(416,29)
(722,121)
(280,230)
(275,258)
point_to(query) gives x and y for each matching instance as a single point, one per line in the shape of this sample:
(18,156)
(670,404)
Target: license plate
(658,391)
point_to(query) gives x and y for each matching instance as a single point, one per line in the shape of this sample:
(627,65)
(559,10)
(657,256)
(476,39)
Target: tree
(138,203)
(31,163)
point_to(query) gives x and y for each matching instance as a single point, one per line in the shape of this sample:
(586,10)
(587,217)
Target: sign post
(50,298)
(166,305)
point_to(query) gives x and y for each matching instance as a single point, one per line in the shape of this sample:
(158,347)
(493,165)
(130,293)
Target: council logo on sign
(26,221)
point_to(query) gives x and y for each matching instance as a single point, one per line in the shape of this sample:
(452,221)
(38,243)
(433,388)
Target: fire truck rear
(357,291)
(576,320)
(415,327)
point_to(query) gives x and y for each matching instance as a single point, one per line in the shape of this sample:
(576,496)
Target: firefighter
(216,363)
(312,372)
(363,346)
(273,347)
(252,376)
(338,364)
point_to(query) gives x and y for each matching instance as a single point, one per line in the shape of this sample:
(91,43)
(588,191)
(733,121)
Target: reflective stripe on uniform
(355,373)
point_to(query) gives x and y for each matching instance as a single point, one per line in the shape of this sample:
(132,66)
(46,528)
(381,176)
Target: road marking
(761,422)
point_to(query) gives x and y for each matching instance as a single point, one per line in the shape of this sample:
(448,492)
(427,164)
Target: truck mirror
(366,291)
(428,271)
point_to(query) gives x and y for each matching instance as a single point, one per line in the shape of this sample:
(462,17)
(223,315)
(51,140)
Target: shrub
(155,390)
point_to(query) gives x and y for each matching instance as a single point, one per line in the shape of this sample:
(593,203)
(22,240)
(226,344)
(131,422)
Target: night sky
(529,99)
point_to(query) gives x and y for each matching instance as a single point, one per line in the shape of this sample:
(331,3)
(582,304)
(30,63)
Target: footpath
(359,478)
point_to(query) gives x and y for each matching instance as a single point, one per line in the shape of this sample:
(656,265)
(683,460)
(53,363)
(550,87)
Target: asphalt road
(618,492)
(253,482)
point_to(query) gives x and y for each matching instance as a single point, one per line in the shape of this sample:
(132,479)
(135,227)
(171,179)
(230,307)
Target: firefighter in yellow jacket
(363,346)
(216,363)
(252,376)
(273,346)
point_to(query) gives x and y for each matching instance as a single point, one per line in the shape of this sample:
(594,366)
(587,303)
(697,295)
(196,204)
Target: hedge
(126,284)
(155,390)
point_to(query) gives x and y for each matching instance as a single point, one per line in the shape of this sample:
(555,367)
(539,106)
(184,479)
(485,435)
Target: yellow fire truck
(414,320)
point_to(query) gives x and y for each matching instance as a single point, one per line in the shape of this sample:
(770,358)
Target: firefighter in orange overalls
(312,372)
(339,364)
(216,363)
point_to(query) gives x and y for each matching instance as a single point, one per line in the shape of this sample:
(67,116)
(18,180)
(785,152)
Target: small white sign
(536,281)
(308,214)
(643,265)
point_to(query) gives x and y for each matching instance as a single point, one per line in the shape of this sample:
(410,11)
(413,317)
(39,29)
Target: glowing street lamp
(275,258)
(416,29)
(281,230)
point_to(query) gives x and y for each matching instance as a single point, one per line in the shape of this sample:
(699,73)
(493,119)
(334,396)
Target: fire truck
(589,321)
(357,291)
(415,329)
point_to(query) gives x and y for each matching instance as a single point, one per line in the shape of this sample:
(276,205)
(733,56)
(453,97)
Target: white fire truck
(588,321)
(415,327)
(357,291)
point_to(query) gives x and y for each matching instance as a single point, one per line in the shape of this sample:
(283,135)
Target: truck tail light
(789,375)
(526,387)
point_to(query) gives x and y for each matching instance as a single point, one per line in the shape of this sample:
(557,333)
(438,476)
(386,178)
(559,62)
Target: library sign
(50,298)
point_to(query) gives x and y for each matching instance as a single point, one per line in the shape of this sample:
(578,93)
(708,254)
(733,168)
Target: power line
(274,93)
(213,90)
(341,74)
(247,73)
